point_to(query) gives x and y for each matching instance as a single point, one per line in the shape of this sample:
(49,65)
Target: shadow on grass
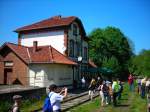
(124,99)
(125,94)
(123,105)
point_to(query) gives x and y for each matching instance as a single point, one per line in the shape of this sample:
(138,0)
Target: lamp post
(79,68)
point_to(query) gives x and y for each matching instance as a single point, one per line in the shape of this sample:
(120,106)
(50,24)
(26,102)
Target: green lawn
(27,105)
(130,102)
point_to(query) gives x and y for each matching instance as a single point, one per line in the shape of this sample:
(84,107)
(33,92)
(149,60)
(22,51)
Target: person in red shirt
(131,82)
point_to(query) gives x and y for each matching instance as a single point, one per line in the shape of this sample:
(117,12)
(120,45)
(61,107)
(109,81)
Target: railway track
(72,101)
(76,101)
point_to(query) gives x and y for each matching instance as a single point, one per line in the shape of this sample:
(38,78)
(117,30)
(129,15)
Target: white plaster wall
(45,74)
(55,39)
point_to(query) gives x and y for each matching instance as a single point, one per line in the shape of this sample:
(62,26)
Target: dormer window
(75,29)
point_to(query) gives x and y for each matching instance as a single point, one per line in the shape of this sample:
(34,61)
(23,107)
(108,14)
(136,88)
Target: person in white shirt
(83,82)
(104,91)
(147,86)
(139,85)
(56,98)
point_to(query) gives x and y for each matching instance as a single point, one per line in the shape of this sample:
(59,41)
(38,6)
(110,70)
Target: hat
(17,97)
(108,82)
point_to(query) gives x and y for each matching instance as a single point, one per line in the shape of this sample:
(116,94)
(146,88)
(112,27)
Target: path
(123,106)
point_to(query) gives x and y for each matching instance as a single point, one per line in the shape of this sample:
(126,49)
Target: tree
(107,43)
(141,63)
(111,63)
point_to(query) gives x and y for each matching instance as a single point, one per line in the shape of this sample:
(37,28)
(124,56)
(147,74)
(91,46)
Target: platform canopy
(102,70)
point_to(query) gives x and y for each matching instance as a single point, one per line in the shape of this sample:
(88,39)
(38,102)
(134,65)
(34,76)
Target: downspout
(29,68)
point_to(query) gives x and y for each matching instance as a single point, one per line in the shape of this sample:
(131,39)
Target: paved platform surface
(12,88)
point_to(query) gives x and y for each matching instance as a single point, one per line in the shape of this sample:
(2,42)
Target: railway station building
(54,50)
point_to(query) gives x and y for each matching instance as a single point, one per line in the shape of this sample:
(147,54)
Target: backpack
(105,88)
(47,107)
(117,88)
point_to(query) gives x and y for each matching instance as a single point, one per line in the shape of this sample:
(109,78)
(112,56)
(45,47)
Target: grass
(31,105)
(87,107)
(130,102)
(27,105)
(138,104)
(4,106)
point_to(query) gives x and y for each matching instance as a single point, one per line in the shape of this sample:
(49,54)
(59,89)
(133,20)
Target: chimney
(57,17)
(35,45)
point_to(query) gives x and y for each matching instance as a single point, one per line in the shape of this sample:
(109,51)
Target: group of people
(143,86)
(108,91)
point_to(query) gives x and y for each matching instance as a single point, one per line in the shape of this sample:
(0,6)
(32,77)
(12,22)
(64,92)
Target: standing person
(143,83)
(83,82)
(17,103)
(120,90)
(131,82)
(101,94)
(110,93)
(56,98)
(104,93)
(105,90)
(99,81)
(92,88)
(147,86)
(139,85)
(115,88)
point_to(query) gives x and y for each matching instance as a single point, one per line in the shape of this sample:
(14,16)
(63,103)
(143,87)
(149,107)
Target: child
(17,103)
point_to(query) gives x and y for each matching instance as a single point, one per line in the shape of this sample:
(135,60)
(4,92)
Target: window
(8,63)
(85,53)
(75,29)
(71,48)
(78,48)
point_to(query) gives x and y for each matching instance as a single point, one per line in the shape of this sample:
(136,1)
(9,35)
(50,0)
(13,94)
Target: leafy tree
(141,63)
(111,63)
(107,43)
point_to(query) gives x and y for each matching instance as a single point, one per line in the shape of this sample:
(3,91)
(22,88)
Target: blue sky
(131,16)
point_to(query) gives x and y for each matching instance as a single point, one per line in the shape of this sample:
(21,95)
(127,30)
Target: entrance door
(7,75)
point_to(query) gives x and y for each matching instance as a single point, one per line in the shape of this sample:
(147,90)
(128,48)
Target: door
(7,75)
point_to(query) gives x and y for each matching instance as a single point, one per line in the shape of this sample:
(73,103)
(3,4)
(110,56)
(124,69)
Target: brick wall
(19,69)
(1,72)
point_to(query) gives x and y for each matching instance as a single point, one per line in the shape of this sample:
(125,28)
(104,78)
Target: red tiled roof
(20,51)
(49,23)
(91,63)
(43,54)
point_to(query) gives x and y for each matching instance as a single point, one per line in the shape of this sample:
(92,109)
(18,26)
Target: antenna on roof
(57,17)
